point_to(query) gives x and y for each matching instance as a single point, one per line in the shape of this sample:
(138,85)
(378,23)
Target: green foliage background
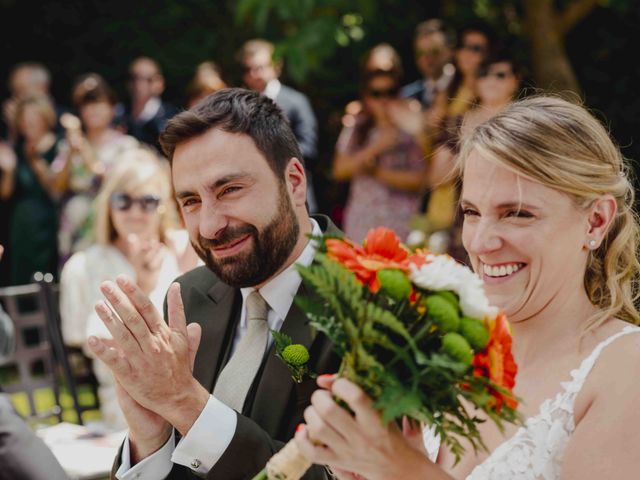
(321,41)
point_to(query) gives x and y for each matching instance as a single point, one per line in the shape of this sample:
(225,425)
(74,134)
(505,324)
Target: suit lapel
(274,387)
(216,313)
(267,403)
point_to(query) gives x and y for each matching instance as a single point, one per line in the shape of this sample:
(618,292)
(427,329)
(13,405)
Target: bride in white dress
(545,194)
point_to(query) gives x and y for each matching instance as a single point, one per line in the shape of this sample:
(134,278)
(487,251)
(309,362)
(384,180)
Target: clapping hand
(407,116)
(151,361)
(8,159)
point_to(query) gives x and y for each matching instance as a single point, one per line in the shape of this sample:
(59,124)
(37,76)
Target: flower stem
(261,476)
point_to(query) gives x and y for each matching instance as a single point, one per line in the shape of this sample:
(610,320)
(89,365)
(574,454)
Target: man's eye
(188,202)
(230,190)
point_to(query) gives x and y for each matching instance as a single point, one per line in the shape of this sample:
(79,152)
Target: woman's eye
(519,214)
(469,211)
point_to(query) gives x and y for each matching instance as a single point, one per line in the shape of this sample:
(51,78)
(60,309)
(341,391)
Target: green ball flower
(394,283)
(296,355)
(450,297)
(475,332)
(455,345)
(443,313)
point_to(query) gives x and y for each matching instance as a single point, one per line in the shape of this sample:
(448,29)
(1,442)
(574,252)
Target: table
(83,452)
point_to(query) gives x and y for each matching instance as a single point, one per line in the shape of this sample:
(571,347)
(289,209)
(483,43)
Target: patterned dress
(371,203)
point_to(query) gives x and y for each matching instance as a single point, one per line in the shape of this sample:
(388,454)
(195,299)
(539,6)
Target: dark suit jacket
(23,456)
(298,111)
(148,131)
(417,91)
(275,404)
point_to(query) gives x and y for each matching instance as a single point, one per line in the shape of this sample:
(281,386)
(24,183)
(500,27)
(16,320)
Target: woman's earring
(592,244)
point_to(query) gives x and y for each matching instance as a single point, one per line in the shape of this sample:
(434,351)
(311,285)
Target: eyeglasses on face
(255,68)
(431,52)
(141,78)
(474,47)
(123,202)
(382,92)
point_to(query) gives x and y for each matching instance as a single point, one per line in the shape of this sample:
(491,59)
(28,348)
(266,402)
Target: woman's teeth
(502,270)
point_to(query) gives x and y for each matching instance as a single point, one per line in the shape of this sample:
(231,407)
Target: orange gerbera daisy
(381,249)
(496,362)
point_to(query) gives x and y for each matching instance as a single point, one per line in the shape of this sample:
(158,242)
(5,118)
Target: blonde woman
(549,225)
(135,235)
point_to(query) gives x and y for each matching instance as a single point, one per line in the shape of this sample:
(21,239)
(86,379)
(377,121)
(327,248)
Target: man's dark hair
(435,25)
(477,26)
(501,55)
(237,110)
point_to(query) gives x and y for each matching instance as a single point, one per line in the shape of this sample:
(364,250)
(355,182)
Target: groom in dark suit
(241,188)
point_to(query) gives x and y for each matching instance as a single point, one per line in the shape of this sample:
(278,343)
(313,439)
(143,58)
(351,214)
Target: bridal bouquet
(416,332)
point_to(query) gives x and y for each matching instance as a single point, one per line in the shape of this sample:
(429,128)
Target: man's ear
(602,212)
(296,181)
(277,66)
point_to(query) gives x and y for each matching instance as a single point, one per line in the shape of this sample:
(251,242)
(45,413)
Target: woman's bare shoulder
(617,366)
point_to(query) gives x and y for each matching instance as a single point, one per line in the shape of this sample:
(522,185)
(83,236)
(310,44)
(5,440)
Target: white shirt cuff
(155,466)
(208,438)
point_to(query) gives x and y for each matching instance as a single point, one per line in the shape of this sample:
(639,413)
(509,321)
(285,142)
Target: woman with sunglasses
(134,232)
(383,162)
(498,84)
(445,116)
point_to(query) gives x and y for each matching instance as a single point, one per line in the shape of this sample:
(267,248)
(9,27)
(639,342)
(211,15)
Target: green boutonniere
(294,356)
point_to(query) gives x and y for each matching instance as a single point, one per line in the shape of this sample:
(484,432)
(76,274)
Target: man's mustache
(228,235)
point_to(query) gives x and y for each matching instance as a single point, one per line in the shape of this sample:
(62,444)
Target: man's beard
(271,248)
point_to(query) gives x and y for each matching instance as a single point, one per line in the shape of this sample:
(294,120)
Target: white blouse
(80,283)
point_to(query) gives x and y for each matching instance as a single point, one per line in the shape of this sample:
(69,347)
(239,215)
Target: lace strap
(580,374)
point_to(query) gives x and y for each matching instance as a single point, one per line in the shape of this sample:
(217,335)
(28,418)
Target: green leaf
(281,340)
(397,402)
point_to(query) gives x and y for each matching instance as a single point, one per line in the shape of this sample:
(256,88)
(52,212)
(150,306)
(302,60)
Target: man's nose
(212,221)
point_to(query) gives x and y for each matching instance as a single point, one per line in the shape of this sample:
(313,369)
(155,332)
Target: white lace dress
(536,450)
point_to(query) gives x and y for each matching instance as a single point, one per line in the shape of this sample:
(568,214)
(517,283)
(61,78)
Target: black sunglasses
(124,201)
(500,75)
(382,93)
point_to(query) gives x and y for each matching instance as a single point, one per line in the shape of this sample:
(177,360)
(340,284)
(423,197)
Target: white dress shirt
(150,110)
(272,89)
(212,432)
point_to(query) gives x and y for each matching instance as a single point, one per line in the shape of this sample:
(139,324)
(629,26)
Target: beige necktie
(237,376)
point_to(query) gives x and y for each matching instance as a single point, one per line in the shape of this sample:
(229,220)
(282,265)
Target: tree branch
(574,13)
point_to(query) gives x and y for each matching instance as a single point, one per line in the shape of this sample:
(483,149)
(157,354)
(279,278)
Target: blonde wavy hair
(562,146)
(133,168)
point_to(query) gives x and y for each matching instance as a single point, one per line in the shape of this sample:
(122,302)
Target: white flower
(416,237)
(442,272)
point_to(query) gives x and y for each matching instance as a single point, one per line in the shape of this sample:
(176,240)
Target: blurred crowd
(85,190)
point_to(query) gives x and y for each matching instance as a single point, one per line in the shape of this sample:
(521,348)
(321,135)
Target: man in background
(148,113)
(433,45)
(261,73)
(25,79)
